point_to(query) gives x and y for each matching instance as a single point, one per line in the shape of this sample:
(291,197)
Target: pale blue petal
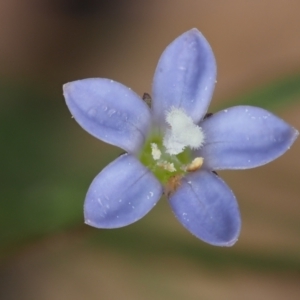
(244,137)
(185,77)
(207,208)
(109,111)
(124,192)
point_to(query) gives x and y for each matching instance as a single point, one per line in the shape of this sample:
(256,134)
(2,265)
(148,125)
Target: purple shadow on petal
(122,193)
(207,208)
(185,77)
(243,137)
(109,111)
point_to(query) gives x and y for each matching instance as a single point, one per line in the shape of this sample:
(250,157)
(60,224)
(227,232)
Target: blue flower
(174,146)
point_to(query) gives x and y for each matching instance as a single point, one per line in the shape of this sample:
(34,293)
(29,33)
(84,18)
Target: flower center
(169,155)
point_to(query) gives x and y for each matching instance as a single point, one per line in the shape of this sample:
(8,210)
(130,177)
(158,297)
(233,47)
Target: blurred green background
(48,161)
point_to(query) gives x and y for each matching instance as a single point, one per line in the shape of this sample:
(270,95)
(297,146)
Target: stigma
(181,132)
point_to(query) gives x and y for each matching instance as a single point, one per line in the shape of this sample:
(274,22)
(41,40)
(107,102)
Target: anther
(195,164)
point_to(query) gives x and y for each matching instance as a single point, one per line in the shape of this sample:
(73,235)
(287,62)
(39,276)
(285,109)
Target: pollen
(156,153)
(195,164)
(181,133)
(167,166)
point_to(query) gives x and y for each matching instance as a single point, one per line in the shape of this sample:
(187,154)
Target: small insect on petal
(147,98)
(207,115)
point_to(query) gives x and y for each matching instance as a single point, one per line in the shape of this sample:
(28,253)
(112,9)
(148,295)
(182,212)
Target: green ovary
(157,166)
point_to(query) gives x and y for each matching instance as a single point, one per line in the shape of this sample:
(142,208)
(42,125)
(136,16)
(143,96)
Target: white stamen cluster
(182,132)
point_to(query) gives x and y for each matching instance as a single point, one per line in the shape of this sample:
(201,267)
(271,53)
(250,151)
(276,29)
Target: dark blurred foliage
(82,9)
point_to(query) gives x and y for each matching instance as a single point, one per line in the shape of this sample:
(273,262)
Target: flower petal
(121,194)
(185,77)
(109,111)
(207,208)
(244,137)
